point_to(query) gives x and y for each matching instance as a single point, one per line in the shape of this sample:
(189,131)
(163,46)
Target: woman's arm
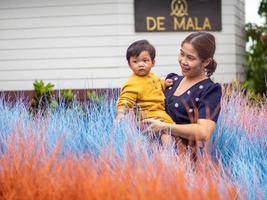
(200,131)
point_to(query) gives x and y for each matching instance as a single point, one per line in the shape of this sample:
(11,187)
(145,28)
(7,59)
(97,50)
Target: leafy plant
(94,97)
(256,68)
(68,97)
(42,97)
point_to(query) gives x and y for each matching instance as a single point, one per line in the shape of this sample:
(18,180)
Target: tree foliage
(256,67)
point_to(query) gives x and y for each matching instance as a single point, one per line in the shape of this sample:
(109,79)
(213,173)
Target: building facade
(81,44)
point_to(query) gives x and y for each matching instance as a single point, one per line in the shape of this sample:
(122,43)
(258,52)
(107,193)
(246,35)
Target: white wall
(82,43)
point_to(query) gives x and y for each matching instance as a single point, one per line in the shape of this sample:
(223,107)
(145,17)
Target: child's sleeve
(127,98)
(163,85)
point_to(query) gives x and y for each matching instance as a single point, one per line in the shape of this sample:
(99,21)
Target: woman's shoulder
(211,88)
(211,85)
(173,76)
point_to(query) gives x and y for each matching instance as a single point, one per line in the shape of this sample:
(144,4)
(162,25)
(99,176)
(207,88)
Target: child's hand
(168,82)
(119,117)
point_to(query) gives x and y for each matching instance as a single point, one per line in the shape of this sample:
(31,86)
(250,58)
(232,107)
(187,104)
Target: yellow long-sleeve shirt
(145,92)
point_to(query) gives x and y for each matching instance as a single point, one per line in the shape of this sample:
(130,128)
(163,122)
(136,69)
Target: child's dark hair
(138,46)
(204,44)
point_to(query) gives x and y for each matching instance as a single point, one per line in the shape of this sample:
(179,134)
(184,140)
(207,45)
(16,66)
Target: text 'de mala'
(177,15)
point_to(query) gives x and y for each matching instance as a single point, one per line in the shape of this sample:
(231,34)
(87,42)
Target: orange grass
(28,171)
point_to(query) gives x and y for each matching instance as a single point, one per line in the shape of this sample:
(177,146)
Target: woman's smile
(185,68)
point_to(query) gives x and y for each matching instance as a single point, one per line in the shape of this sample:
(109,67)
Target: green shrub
(67,97)
(42,97)
(256,67)
(93,97)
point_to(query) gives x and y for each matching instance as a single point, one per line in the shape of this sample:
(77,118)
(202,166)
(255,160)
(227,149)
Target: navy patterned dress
(201,101)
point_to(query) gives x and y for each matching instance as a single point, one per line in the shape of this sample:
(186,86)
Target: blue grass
(242,153)
(88,129)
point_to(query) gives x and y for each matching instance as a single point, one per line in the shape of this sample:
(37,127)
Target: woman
(193,101)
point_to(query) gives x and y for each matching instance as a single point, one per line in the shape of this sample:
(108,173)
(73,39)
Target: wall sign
(177,15)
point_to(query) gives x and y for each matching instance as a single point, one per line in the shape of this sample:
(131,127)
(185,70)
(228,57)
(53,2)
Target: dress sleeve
(171,76)
(128,97)
(210,103)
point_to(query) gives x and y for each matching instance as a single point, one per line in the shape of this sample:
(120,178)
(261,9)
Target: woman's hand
(155,125)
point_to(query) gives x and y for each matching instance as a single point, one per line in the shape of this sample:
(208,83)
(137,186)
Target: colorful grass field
(79,153)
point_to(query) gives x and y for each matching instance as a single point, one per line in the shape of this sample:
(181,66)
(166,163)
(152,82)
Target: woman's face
(191,65)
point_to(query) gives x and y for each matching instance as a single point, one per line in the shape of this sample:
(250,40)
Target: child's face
(191,64)
(142,64)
